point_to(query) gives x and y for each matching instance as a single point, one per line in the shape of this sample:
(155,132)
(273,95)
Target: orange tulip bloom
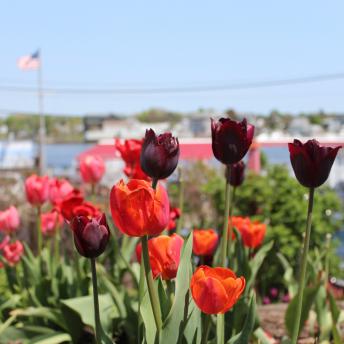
(137,209)
(164,255)
(204,241)
(216,290)
(252,233)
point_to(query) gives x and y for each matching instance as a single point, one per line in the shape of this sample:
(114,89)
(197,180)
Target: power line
(167,90)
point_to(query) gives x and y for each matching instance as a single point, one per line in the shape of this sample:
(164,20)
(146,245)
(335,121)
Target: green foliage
(277,199)
(159,115)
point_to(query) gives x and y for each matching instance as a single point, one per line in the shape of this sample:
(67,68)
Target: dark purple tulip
(231,139)
(311,162)
(90,235)
(159,154)
(235,173)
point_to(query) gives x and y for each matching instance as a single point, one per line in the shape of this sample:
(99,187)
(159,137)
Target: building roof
(188,151)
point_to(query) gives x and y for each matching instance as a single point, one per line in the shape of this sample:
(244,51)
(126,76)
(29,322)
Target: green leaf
(307,302)
(165,304)
(192,332)
(262,337)
(256,263)
(54,338)
(288,275)
(335,314)
(244,336)
(177,319)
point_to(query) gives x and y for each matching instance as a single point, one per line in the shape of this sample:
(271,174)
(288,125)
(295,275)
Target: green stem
(220,329)
(224,242)
(180,202)
(39,230)
(327,258)
(154,183)
(96,301)
(230,227)
(302,280)
(57,244)
(206,328)
(150,284)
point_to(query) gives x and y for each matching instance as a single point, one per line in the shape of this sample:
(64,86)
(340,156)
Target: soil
(272,321)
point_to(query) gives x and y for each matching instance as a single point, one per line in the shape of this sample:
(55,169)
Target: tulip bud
(231,139)
(90,235)
(92,169)
(204,242)
(235,173)
(9,220)
(37,189)
(311,162)
(159,155)
(216,290)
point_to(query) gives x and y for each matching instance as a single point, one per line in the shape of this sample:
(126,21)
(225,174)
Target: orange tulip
(204,241)
(137,209)
(164,255)
(252,233)
(216,290)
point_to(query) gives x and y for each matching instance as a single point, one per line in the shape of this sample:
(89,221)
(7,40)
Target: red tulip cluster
(11,252)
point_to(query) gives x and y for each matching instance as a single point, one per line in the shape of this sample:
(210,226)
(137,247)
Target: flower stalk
(39,230)
(180,201)
(98,328)
(302,279)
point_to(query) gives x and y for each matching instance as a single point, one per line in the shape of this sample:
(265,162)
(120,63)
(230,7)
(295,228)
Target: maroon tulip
(311,162)
(90,235)
(231,139)
(235,175)
(159,155)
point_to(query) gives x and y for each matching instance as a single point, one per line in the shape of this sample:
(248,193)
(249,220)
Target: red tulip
(231,139)
(69,202)
(311,162)
(137,209)
(9,220)
(174,216)
(252,233)
(164,255)
(216,290)
(130,150)
(135,172)
(204,241)
(159,154)
(37,189)
(91,235)
(13,252)
(4,242)
(51,222)
(92,169)
(59,189)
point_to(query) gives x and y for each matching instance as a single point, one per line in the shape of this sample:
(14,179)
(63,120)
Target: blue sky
(111,44)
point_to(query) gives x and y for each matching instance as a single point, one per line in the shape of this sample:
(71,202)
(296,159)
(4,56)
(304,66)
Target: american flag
(29,62)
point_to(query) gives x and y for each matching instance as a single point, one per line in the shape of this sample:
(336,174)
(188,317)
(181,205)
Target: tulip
(159,155)
(92,169)
(50,222)
(252,233)
(58,190)
(164,255)
(9,220)
(90,235)
(231,139)
(13,252)
(135,172)
(69,202)
(37,189)
(4,242)
(311,162)
(130,150)
(235,175)
(174,216)
(216,290)
(137,209)
(204,242)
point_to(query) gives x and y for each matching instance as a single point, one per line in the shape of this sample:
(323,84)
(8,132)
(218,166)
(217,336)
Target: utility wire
(167,90)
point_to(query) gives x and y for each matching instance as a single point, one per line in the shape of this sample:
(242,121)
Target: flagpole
(41,138)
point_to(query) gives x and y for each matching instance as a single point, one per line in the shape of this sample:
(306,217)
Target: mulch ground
(272,321)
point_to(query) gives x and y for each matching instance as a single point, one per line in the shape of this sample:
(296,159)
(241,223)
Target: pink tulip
(92,169)
(37,189)
(13,252)
(9,220)
(50,222)
(58,190)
